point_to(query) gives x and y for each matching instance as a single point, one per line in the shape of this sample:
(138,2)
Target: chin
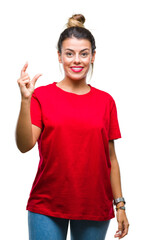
(78,77)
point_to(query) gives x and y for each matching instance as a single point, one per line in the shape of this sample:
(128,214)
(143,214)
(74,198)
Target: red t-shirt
(73,175)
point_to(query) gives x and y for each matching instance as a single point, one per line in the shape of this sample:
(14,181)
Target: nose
(77,58)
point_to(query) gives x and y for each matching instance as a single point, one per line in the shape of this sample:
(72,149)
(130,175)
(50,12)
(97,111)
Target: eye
(84,54)
(69,54)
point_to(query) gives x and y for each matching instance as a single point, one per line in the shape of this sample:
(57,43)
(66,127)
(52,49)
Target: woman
(74,123)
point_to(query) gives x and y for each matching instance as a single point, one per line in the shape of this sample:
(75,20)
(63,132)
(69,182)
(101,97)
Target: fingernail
(120,232)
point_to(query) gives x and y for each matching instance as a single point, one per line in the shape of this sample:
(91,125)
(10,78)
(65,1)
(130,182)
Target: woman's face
(76,57)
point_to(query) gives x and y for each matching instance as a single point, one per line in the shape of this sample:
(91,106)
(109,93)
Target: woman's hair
(75,28)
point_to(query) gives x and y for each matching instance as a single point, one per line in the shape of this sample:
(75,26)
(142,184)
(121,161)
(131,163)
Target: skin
(122,220)
(76,83)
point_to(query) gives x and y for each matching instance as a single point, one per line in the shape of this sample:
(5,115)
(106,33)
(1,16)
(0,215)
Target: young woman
(75,124)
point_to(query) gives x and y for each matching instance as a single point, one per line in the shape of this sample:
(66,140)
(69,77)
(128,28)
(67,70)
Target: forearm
(23,134)
(116,181)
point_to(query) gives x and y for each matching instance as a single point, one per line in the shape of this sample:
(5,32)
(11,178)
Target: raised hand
(26,85)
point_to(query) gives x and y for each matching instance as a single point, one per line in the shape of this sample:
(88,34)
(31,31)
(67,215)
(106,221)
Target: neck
(74,84)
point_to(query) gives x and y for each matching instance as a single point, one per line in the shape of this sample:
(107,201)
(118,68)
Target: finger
(24,69)
(120,229)
(20,80)
(26,81)
(125,230)
(122,235)
(26,77)
(118,233)
(35,78)
(23,83)
(120,226)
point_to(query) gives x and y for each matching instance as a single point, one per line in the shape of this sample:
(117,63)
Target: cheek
(66,61)
(87,62)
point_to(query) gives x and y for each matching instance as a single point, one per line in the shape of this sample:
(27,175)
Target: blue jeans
(42,227)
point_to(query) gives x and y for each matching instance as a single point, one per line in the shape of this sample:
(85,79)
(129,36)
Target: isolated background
(29,32)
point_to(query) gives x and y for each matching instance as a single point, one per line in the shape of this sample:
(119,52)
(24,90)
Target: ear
(59,57)
(93,57)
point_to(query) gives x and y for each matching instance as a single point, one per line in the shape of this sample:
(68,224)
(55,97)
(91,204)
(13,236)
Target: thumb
(120,228)
(35,78)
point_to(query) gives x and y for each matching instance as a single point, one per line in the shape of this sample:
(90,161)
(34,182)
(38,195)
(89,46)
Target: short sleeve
(35,111)
(114,129)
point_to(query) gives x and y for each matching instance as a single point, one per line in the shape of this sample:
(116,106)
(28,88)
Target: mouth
(77,69)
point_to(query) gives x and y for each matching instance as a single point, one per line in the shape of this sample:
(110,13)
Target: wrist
(119,200)
(121,208)
(26,100)
(120,204)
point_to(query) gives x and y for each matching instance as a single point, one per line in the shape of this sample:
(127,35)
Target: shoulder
(103,95)
(42,90)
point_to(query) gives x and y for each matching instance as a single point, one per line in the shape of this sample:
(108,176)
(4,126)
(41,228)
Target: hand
(26,86)
(123,224)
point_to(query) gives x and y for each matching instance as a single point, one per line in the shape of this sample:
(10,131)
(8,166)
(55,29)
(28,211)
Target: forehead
(76,44)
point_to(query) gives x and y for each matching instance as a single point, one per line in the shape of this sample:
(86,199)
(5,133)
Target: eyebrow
(73,50)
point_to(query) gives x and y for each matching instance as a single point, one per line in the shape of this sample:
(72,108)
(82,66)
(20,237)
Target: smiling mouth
(76,69)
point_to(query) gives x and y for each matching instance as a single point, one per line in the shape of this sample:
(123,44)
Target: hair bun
(77,20)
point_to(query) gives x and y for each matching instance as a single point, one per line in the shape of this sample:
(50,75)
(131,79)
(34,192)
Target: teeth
(77,68)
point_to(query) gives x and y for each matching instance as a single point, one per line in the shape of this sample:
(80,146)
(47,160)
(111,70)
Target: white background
(29,32)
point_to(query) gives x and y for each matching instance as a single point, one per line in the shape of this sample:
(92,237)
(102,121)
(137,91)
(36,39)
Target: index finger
(24,68)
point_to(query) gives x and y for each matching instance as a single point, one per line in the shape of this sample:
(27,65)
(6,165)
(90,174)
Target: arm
(122,220)
(26,133)
(115,174)
(23,134)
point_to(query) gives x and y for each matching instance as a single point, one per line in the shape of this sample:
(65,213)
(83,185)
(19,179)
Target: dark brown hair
(75,28)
